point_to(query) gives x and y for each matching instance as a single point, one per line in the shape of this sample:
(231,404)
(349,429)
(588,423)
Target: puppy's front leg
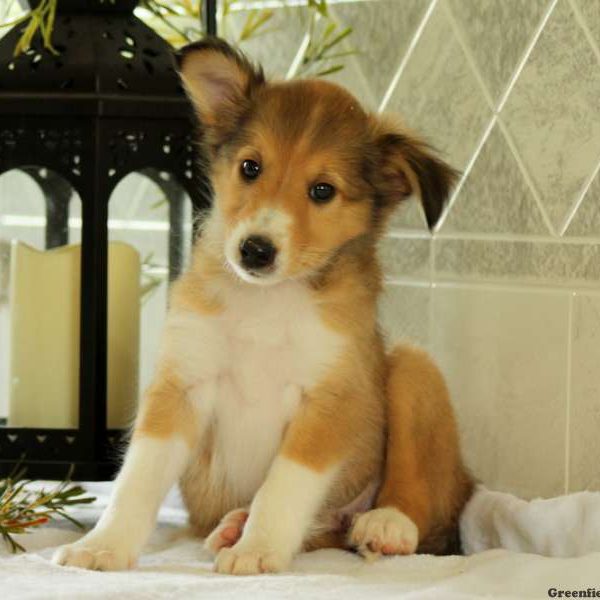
(298,482)
(164,432)
(280,516)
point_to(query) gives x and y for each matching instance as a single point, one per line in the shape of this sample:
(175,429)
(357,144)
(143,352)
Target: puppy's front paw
(92,552)
(250,559)
(228,531)
(384,531)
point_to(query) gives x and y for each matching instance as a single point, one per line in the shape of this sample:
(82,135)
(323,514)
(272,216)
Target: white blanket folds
(176,566)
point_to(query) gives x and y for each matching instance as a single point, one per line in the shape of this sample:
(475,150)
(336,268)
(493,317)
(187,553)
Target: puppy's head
(299,169)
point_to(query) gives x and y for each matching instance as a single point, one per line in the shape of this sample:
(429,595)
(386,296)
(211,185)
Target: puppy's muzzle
(257,253)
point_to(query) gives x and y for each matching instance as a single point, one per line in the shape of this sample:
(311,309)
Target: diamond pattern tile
(382,31)
(552,113)
(438,95)
(495,198)
(497,34)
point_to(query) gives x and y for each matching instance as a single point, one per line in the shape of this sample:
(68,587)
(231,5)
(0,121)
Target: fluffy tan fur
(380,416)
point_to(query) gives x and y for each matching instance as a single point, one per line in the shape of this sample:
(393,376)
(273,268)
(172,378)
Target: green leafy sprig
(40,18)
(324,49)
(23,509)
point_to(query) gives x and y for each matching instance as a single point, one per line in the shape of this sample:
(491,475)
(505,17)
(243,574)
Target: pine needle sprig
(40,19)
(23,509)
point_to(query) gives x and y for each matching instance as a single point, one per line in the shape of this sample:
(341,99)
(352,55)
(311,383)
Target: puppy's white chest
(248,368)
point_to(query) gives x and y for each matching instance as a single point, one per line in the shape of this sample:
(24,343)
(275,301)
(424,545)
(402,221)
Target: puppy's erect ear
(409,166)
(219,81)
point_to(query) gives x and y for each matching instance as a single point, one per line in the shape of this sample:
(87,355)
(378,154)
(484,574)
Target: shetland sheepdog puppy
(274,403)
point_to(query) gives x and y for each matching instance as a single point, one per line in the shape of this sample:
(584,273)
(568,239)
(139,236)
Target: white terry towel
(564,526)
(177,567)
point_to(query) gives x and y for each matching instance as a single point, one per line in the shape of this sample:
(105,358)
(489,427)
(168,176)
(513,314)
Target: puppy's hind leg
(425,484)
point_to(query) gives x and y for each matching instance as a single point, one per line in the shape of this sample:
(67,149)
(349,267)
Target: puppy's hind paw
(384,531)
(228,531)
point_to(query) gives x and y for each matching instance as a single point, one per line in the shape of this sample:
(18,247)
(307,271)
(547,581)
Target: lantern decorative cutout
(108,104)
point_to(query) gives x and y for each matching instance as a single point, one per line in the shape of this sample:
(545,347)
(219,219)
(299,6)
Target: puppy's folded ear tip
(436,188)
(421,169)
(432,215)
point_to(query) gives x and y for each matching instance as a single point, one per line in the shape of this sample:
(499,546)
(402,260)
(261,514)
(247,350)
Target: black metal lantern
(109,103)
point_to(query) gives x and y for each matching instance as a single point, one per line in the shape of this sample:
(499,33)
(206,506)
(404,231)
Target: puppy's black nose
(257,252)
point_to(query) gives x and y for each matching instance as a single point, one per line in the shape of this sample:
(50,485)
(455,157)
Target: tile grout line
(416,283)
(495,286)
(584,26)
(465,174)
(526,55)
(568,395)
(408,234)
(522,287)
(431,273)
(512,238)
(526,176)
(431,260)
(469,236)
(430,311)
(409,52)
(582,195)
(458,34)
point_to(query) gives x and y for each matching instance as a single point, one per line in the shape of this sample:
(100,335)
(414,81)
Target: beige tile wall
(506,292)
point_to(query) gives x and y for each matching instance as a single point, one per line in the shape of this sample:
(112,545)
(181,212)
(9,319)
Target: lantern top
(90,6)
(107,62)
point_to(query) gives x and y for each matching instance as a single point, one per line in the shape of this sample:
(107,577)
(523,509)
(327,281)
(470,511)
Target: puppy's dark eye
(321,192)
(250,169)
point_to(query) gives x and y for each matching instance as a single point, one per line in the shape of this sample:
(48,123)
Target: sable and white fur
(274,404)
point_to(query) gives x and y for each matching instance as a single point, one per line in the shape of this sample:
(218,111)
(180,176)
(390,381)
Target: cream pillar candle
(44,300)
(124,304)
(4,328)
(44,337)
